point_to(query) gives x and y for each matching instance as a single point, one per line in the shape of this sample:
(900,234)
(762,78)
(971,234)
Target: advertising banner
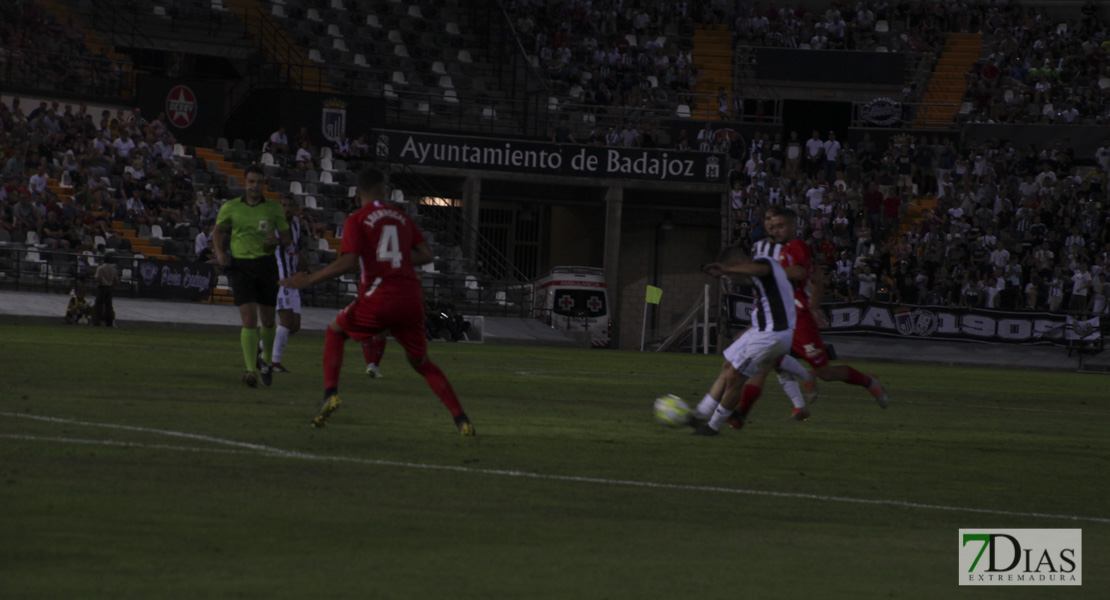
(194,109)
(543,158)
(940,322)
(175,279)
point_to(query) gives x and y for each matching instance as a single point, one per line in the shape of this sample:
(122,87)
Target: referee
(254,226)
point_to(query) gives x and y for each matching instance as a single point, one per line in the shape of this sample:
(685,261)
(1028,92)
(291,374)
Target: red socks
(333,358)
(856,378)
(373,349)
(442,388)
(748,396)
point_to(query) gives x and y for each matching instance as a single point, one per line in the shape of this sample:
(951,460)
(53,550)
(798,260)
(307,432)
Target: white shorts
(289,299)
(754,351)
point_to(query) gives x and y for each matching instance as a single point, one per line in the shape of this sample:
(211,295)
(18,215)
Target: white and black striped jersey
(765,247)
(287,255)
(774,304)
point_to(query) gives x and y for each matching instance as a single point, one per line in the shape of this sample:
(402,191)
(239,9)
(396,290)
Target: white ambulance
(574,299)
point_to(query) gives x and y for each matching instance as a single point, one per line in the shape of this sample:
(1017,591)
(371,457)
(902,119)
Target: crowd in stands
(38,51)
(1042,69)
(1012,229)
(107,167)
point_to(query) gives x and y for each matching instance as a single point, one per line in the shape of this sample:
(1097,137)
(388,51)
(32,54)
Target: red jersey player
(807,338)
(382,240)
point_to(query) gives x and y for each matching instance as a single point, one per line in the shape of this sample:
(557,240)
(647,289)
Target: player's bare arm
(746,269)
(795,273)
(816,288)
(346,263)
(219,235)
(422,254)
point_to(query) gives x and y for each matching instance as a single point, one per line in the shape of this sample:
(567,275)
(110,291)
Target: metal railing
(45,271)
(65,74)
(451,223)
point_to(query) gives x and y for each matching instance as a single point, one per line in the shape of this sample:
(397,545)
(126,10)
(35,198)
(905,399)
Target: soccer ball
(671,410)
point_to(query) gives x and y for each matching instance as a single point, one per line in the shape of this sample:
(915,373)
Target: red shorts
(807,341)
(401,311)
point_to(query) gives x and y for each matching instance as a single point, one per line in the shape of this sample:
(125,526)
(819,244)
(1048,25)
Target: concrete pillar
(471,203)
(614,204)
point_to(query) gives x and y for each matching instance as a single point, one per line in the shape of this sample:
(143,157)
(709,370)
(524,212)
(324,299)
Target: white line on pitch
(276,452)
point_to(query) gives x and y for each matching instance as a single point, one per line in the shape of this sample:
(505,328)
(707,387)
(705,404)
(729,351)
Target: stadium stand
(965,223)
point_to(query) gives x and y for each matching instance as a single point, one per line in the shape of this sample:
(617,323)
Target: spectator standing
(106,277)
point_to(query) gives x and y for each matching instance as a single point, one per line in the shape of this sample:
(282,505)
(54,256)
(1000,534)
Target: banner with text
(542,158)
(941,322)
(185,280)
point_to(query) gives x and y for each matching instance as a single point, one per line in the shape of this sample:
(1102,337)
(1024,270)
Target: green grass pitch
(134,464)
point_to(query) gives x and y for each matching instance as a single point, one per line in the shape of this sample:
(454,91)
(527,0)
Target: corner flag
(654,294)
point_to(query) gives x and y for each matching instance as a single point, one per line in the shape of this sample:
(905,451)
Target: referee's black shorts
(254,280)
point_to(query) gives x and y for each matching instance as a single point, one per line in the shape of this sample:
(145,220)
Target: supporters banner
(939,322)
(174,279)
(542,158)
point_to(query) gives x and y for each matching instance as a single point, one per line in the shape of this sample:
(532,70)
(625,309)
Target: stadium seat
(489,113)
(424,108)
(338,5)
(372,20)
(387,91)
(314,56)
(452,28)
(631,40)
(881,49)
(414,12)
(67,180)
(160,11)
(326,178)
(222,145)
(339,44)
(464,56)
(218,6)
(310,203)
(311,176)
(399,78)
(33,240)
(446,83)
(881,26)
(323,245)
(179,150)
(156,232)
(552,103)
(99,241)
(401,50)
(295,188)
(325,152)
(450,96)
(395,36)
(278,11)
(352,191)
(314,15)
(360,61)
(683,111)
(333,30)
(326,164)
(438,68)
(267,159)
